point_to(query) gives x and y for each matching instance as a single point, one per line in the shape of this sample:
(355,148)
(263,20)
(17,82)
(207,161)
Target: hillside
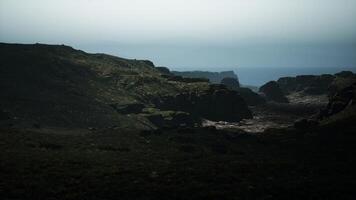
(56,85)
(75,125)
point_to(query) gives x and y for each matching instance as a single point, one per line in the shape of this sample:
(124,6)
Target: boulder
(273,92)
(216,103)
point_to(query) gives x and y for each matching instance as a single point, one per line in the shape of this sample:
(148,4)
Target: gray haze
(193,34)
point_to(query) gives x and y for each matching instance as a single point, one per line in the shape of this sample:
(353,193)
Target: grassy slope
(58,85)
(173,164)
(184,164)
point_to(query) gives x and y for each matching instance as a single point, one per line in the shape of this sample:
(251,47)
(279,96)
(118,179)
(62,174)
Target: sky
(193,34)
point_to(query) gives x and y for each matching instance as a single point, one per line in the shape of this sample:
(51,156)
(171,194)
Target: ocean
(257,76)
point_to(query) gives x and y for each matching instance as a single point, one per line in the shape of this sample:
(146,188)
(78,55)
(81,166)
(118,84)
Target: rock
(148,62)
(340,100)
(272,92)
(213,77)
(4,115)
(172,119)
(217,103)
(250,97)
(184,79)
(287,84)
(305,124)
(339,83)
(231,83)
(309,84)
(345,74)
(163,70)
(134,108)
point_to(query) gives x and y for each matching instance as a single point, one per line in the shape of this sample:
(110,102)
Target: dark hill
(56,85)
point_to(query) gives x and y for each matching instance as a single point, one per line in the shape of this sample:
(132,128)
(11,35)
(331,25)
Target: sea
(257,76)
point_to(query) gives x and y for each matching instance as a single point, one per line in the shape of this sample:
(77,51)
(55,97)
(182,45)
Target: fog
(199,34)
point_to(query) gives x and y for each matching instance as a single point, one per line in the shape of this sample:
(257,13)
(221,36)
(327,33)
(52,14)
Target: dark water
(259,76)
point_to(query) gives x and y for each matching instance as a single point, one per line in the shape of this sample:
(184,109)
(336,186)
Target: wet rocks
(273,92)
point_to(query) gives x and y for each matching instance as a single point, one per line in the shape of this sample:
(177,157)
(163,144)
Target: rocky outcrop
(172,119)
(217,103)
(148,62)
(345,74)
(133,108)
(342,80)
(184,79)
(340,100)
(273,92)
(213,77)
(231,83)
(163,70)
(250,97)
(309,84)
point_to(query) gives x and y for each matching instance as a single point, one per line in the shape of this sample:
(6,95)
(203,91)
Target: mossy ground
(174,164)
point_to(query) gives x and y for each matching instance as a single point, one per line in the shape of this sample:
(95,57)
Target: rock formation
(340,100)
(56,85)
(309,84)
(273,92)
(214,77)
(231,83)
(217,103)
(250,97)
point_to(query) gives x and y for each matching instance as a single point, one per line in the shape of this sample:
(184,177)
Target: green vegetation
(60,86)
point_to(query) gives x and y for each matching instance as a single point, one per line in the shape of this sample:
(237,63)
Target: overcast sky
(193,33)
